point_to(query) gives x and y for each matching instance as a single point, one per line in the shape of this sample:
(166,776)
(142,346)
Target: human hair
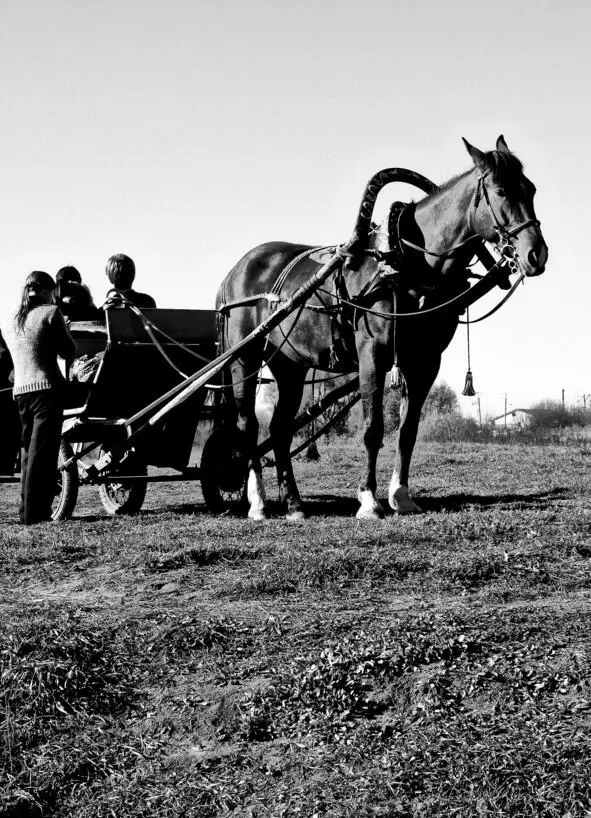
(36,283)
(120,271)
(68,274)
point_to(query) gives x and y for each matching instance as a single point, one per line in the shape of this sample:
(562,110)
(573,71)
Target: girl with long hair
(36,337)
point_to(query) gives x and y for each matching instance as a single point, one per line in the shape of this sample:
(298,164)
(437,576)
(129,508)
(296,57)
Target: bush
(554,415)
(450,427)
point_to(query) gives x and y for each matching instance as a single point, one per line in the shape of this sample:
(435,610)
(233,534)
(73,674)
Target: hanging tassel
(312,452)
(468,389)
(397,380)
(333,358)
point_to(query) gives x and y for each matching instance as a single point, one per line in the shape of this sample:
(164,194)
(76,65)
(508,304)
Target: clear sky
(184,132)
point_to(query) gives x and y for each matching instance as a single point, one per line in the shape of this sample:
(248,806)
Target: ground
(181,664)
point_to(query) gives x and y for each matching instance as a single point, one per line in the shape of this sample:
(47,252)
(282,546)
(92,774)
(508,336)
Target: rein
(492,273)
(505,234)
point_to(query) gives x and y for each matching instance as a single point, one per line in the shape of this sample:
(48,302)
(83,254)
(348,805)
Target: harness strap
(250,299)
(450,251)
(282,277)
(274,294)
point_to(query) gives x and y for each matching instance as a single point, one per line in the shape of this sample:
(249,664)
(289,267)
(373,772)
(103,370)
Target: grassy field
(180,664)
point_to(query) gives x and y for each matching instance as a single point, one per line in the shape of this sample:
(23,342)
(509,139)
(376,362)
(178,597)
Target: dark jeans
(41,420)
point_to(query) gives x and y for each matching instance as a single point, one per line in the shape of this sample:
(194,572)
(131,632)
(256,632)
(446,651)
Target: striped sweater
(35,349)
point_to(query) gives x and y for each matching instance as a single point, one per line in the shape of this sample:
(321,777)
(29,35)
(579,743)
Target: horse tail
(221,321)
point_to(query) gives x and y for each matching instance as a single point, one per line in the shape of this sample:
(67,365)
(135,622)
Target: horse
(379,310)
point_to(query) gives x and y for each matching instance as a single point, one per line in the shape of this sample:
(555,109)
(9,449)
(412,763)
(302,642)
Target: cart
(158,385)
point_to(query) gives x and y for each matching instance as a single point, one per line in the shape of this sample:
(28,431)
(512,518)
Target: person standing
(35,339)
(10,427)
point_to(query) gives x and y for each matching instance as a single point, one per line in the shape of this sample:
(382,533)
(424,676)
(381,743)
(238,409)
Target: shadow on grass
(331,505)
(457,502)
(188,509)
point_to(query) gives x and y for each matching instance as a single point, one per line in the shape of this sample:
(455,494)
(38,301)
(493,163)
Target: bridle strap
(506,233)
(502,230)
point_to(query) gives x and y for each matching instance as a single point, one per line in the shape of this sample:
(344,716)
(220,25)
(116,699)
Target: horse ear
(477,156)
(502,145)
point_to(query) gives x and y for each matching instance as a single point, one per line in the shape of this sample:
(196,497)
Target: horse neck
(442,219)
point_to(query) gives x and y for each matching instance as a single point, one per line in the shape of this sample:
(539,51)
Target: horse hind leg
(290,385)
(244,379)
(372,393)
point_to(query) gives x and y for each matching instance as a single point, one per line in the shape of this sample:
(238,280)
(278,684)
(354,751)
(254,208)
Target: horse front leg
(371,384)
(418,383)
(244,378)
(290,386)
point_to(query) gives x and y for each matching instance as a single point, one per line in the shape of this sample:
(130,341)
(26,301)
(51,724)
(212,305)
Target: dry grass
(177,664)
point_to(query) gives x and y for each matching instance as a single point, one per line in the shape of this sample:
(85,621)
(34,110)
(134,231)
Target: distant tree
(549,414)
(441,400)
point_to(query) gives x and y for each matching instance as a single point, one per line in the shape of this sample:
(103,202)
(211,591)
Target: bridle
(505,234)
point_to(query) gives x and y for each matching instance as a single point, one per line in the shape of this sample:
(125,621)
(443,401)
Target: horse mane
(501,165)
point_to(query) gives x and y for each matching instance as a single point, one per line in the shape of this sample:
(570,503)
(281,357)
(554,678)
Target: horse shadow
(458,502)
(331,505)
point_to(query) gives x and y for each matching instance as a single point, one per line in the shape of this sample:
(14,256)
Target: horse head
(502,209)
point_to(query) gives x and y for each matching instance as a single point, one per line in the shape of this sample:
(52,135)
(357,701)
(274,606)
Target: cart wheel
(223,474)
(125,498)
(66,490)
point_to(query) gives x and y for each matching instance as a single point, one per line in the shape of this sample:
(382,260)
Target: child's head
(68,274)
(39,289)
(120,271)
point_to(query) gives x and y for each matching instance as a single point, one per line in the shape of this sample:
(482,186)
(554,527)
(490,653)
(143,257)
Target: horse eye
(500,191)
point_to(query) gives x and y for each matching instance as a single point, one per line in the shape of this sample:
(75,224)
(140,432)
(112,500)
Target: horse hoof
(370,508)
(369,514)
(414,509)
(257,514)
(295,516)
(401,502)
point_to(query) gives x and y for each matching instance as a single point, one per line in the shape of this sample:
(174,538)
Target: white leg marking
(255,492)
(370,508)
(400,499)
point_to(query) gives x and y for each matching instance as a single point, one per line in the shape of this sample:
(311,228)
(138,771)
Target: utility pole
(505,411)
(563,398)
(479,413)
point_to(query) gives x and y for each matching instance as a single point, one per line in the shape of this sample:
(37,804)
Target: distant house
(513,421)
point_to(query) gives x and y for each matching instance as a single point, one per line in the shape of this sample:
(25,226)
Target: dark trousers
(41,416)
(10,432)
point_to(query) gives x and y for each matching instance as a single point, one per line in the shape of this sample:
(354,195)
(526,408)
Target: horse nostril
(532,258)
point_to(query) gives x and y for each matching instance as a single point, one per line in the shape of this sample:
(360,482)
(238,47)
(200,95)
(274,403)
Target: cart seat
(133,371)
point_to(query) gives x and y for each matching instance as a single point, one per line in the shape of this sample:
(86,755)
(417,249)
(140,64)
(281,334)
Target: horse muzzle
(535,260)
(532,255)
